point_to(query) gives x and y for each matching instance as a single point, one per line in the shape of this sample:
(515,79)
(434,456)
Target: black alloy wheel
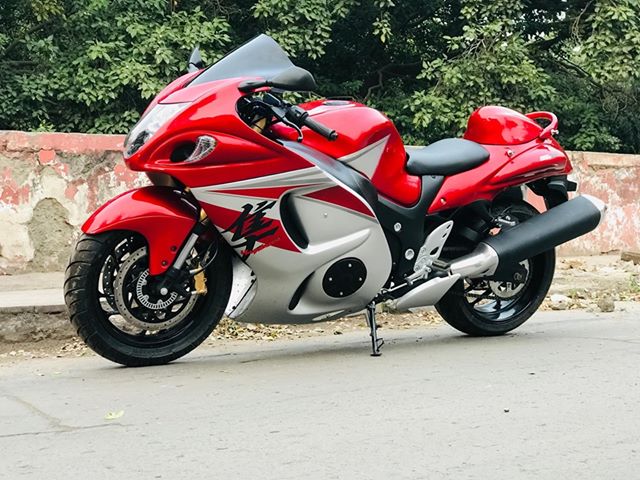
(482,307)
(119,313)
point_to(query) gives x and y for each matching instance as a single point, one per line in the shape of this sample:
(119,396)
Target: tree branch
(381,72)
(568,64)
(33,29)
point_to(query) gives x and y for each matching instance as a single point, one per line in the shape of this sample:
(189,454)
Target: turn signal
(204,146)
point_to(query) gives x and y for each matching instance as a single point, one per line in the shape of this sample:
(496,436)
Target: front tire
(480,307)
(158,336)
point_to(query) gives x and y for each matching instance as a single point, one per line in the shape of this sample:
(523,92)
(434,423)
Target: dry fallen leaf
(114,415)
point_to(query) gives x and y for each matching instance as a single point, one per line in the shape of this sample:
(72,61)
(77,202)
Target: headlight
(149,124)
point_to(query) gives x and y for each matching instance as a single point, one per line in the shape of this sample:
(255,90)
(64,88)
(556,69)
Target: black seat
(446,157)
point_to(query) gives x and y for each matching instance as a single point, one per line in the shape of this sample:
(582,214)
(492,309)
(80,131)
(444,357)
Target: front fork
(174,276)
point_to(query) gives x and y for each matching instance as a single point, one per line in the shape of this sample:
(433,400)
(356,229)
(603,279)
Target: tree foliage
(92,65)
(488,62)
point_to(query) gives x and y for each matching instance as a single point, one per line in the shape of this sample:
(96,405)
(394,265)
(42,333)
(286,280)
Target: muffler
(538,234)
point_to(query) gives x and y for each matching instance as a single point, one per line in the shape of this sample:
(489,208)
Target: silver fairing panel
(334,231)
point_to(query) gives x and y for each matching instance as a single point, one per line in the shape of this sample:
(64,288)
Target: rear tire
(505,314)
(91,310)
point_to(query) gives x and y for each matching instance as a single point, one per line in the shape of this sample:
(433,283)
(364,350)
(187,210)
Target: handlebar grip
(320,129)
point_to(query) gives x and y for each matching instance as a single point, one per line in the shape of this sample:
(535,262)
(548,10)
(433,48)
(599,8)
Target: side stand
(376,342)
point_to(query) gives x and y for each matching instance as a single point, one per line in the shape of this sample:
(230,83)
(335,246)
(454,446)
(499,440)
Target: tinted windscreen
(260,57)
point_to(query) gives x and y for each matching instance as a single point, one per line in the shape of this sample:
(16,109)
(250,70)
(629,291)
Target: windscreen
(260,57)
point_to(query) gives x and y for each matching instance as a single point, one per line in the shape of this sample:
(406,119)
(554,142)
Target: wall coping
(17,141)
(606,160)
(14,140)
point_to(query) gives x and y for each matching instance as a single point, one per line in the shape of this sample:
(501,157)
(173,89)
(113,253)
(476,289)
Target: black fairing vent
(299,292)
(291,222)
(182,152)
(344,278)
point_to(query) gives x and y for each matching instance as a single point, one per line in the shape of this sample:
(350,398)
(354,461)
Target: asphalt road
(558,399)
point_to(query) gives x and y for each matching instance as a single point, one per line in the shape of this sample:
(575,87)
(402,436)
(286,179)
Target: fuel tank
(367,141)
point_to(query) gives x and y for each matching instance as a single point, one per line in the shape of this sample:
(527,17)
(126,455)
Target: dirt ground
(591,283)
(229,330)
(588,280)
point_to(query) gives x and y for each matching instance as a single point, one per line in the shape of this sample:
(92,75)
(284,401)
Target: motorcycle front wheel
(120,316)
(480,307)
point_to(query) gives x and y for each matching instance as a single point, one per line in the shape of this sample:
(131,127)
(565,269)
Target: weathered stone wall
(615,179)
(49,185)
(51,182)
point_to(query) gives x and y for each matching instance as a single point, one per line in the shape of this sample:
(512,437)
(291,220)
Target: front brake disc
(130,291)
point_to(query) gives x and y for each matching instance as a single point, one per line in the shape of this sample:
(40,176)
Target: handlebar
(320,129)
(301,117)
(294,116)
(550,129)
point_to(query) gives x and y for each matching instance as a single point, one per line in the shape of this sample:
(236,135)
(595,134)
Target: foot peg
(376,342)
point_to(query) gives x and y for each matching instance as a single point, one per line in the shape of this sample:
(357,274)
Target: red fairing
(359,126)
(240,153)
(542,160)
(501,126)
(339,196)
(521,152)
(174,86)
(157,213)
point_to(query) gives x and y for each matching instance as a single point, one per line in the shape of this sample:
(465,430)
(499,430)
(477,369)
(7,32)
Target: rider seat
(446,157)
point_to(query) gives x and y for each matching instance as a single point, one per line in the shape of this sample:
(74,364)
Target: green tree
(93,65)
(607,62)
(489,62)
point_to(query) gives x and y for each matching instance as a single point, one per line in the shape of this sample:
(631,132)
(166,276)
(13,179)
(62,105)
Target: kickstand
(376,342)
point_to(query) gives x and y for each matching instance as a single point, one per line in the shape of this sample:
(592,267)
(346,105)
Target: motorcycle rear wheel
(507,306)
(147,335)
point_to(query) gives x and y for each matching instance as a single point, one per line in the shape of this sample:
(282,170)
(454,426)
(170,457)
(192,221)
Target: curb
(33,324)
(44,309)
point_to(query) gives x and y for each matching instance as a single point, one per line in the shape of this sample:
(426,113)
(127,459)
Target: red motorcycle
(278,213)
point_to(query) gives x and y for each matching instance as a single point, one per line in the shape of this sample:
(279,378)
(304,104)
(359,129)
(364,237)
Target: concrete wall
(51,182)
(615,179)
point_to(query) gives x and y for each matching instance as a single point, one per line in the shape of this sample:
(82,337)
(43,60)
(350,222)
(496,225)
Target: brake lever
(281,114)
(296,128)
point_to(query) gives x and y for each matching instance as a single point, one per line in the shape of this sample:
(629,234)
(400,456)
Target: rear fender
(159,214)
(555,190)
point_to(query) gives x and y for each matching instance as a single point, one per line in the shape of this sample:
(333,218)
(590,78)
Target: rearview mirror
(294,78)
(195,61)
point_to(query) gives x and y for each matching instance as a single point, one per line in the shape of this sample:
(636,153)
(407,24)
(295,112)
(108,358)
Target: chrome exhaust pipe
(482,262)
(527,239)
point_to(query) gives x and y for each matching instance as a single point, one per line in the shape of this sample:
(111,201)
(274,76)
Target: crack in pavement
(59,431)
(55,423)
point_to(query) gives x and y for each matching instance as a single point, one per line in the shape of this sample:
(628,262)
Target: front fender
(159,214)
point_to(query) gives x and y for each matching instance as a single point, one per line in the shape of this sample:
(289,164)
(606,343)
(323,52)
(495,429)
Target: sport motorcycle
(271,212)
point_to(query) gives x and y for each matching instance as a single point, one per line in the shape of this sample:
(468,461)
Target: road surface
(557,399)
